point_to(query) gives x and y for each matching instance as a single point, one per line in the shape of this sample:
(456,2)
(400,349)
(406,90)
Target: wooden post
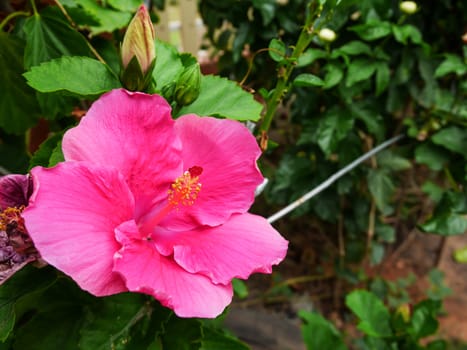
(189,31)
(162,28)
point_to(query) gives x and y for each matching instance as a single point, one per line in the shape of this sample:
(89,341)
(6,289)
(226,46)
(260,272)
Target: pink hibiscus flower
(147,204)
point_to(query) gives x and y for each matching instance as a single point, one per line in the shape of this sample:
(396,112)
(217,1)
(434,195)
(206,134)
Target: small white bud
(327,34)
(408,7)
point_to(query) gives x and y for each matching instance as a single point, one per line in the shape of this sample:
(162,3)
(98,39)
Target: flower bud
(404,311)
(327,35)
(408,7)
(138,52)
(188,85)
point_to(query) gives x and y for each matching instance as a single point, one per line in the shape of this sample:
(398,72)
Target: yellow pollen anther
(185,188)
(10,215)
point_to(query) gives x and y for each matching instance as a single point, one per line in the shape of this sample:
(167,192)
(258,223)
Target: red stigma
(195,171)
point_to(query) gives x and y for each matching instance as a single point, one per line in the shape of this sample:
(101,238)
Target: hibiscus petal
(133,132)
(146,271)
(245,244)
(71,218)
(227,152)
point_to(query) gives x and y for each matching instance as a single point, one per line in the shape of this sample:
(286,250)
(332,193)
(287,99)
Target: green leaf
(55,104)
(381,188)
(405,32)
(306,79)
(434,191)
(49,36)
(374,317)
(267,8)
(333,128)
(450,216)
(42,155)
(377,253)
(438,290)
(125,5)
(240,288)
(439,344)
(57,155)
(7,320)
(372,30)
(109,321)
(423,321)
(460,255)
(309,56)
(370,115)
(352,48)
(18,105)
(182,334)
(62,74)
(109,19)
(24,282)
(446,224)
(385,233)
(451,64)
(214,339)
(453,138)
(277,49)
(56,329)
(168,65)
(432,156)
(320,334)
(382,77)
(334,75)
(221,97)
(360,69)
(392,161)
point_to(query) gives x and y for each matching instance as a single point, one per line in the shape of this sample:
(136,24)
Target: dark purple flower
(16,247)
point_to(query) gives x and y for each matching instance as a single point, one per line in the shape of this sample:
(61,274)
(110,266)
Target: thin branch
(11,16)
(294,205)
(73,24)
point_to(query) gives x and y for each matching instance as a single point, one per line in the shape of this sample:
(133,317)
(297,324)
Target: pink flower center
(183,191)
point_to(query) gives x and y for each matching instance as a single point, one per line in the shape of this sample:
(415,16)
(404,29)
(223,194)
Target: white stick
(332,179)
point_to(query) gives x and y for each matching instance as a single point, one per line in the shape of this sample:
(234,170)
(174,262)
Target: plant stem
(11,16)
(73,24)
(34,8)
(285,71)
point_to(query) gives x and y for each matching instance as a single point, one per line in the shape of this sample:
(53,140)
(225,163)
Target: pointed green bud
(138,52)
(188,85)
(408,7)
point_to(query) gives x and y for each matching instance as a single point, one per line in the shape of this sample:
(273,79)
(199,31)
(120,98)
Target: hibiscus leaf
(57,155)
(182,334)
(55,329)
(373,316)
(26,281)
(214,339)
(168,64)
(333,128)
(48,36)
(18,105)
(112,321)
(78,75)
(319,333)
(46,149)
(109,19)
(221,97)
